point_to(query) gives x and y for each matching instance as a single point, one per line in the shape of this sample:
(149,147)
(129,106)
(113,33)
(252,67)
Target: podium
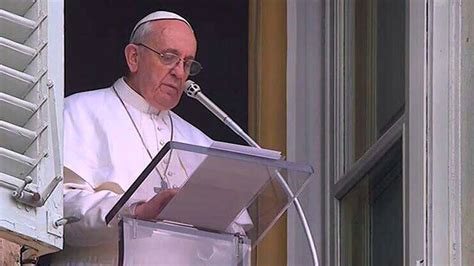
(229,197)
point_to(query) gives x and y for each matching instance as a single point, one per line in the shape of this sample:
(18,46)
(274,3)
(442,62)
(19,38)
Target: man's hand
(149,210)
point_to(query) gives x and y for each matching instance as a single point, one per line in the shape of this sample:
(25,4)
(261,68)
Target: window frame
(411,127)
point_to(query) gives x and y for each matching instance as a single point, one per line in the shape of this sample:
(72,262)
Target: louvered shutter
(31,89)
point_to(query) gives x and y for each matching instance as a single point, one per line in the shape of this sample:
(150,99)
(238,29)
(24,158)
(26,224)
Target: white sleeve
(91,207)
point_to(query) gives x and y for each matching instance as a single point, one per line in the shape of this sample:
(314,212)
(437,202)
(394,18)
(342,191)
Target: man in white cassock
(111,134)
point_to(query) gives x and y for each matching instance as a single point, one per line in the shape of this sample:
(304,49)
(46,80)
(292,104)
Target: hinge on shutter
(35,199)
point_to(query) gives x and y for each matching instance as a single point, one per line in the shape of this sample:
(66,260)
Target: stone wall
(9,253)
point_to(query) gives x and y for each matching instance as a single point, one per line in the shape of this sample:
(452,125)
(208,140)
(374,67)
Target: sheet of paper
(216,193)
(265,153)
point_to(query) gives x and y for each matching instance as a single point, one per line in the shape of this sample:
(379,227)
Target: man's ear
(131,55)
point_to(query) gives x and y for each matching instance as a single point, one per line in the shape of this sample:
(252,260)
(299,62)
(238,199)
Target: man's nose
(178,70)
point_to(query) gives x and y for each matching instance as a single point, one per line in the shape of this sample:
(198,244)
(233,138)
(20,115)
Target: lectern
(229,197)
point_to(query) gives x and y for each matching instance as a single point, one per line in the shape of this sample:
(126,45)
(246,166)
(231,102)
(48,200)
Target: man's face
(162,85)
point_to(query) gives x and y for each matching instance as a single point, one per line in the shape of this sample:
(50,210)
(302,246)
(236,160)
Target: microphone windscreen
(191,88)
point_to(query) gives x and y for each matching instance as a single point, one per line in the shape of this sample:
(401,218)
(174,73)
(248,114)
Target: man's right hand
(149,210)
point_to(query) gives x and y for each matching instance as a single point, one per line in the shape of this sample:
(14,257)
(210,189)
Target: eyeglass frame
(162,55)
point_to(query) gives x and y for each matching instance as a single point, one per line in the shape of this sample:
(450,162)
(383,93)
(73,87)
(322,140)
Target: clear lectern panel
(230,189)
(156,243)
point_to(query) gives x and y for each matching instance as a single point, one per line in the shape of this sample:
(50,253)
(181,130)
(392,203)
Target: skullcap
(159,15)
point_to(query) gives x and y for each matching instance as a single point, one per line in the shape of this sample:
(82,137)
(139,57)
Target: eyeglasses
(191,67)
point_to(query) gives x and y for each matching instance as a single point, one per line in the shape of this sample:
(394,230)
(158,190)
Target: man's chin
(164,106)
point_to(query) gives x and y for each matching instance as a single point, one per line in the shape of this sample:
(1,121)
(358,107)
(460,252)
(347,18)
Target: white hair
(141,33)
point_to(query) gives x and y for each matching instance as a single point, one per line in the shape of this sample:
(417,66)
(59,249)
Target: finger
(169,192)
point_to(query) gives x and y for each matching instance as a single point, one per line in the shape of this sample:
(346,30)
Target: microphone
(194,91)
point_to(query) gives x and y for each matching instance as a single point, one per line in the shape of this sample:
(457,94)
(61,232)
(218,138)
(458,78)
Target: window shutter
(31,89)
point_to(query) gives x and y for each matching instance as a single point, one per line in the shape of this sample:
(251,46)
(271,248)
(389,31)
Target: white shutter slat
(18,7)
(15,164)
(14,110)
(15,55)
(15,138)
(14,82)
(10,182)
(16,28)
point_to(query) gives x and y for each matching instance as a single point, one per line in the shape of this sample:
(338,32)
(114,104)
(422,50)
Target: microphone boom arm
(194,91)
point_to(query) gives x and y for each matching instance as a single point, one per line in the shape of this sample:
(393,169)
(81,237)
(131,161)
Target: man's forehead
(161,30)
(173,36)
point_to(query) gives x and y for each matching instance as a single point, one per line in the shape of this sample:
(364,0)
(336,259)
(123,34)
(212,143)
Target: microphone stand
(194,91)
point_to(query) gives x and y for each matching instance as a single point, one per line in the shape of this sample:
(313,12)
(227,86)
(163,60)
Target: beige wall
(267,102)
(9,253)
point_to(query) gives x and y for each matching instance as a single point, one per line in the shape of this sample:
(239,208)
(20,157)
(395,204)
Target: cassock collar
(134,99)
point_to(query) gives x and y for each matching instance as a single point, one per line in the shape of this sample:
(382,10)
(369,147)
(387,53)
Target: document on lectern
(219,189)
(265,153)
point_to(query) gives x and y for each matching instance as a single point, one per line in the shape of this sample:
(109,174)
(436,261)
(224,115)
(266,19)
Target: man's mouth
(171,86)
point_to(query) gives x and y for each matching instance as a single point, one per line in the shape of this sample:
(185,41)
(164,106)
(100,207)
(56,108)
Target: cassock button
(170,173)
(162,142)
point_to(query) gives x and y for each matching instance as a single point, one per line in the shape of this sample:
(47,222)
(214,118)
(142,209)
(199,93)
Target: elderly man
(111,134)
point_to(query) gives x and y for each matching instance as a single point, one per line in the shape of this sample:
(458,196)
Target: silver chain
(164,180)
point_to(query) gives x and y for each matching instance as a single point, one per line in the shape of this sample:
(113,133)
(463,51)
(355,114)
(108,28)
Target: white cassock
(103,155)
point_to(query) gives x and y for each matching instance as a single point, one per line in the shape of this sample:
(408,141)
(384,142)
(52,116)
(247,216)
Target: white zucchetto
(159,15)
